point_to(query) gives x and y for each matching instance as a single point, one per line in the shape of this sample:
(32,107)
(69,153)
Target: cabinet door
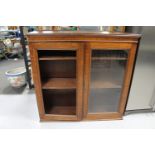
(58,77)
(108,70)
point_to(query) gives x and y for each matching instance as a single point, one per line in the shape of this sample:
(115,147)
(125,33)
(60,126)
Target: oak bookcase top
(83,33)
(85,36)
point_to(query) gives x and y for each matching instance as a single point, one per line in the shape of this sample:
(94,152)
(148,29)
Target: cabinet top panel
(38,36)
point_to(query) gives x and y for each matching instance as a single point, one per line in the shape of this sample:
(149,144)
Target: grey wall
(142,94)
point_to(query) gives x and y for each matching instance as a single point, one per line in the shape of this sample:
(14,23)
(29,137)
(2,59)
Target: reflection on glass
(107,73)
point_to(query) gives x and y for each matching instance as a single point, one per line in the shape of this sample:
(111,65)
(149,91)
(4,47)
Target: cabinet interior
(104,100)
(106,80)
(60,102)
(57,55)
(58,80)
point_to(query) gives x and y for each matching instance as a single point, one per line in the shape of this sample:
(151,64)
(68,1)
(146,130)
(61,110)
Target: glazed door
(58,78)
(108,70)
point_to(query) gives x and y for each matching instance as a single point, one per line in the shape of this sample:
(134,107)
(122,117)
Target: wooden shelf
(109,58)
(62,110)
(59,83)
(57,58)
(104,84)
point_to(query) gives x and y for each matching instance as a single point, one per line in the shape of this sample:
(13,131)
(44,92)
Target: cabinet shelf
(60,101)
(104,84)
(59,83)
(62,110)
(74,58)
(56,58)
(109,58)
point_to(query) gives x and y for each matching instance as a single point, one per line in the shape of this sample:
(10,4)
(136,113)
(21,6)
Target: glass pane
(107,74)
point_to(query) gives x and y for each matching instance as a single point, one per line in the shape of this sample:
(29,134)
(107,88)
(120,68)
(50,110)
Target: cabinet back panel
(60,97)
(55,99)
(58,69)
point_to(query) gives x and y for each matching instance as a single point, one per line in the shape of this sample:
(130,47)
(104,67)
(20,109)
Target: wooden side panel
(127,78)
(37,80)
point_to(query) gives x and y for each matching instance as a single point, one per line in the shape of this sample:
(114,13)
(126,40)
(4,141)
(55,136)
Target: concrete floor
(18,109)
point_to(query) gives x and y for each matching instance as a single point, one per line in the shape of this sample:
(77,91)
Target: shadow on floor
(11,90)
(16,91)
(30,91)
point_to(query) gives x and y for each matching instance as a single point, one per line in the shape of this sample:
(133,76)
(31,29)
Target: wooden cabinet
(82,75)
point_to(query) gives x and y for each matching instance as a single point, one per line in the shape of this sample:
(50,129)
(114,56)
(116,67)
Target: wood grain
(56,58)
(59,83)
(82,36)
(62,110)
(127,78)
(37,80)
(108,58)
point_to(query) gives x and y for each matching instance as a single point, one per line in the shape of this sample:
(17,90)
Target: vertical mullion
(79,80)
(87,71)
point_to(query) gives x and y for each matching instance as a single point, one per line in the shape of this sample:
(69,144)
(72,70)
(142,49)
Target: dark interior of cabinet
(60,102)
(58,79)
(56,53)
